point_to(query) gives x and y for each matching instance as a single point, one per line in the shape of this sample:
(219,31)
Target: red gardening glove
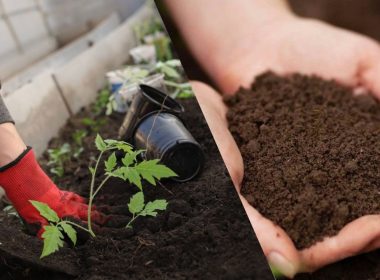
(24,180)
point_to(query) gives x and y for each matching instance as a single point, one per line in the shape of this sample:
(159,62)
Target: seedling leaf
(151,169)
(45,211)
(100,144)
(110,163)
(130,158)
(152,207)
(70,231)
(53,240)
(136,203)
(133,177)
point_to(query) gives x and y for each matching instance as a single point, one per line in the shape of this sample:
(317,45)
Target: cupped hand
(361,235)
(296,45)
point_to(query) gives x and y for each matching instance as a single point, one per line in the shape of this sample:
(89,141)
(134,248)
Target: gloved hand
(24,180)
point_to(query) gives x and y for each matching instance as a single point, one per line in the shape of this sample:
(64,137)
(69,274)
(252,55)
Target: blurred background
(32,29)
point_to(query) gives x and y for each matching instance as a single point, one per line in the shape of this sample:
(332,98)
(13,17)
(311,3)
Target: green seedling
(130,170)
(169,69)
(138,208)
(94,125)
(152,32)
(148,27)
(53,235)
(101,102)
(78,137)
(57,159)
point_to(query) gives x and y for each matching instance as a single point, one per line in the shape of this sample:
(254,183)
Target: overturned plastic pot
(147,100)
(164,136)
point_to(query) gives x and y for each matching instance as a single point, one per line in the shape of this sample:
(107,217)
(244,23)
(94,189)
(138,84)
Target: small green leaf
(151,169)
(53,240)
(136,204)
(152,207)
(45,211)
(170,72)
(70,231)
(110,162)
(133,177)
(100,144)
(130,158)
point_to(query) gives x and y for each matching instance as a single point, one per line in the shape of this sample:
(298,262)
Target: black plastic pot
(164,137)
(147,100)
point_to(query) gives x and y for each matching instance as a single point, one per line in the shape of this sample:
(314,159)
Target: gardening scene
(291,90)
(108,169)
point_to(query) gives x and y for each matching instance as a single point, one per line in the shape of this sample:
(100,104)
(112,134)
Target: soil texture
(311,152)
(204,234)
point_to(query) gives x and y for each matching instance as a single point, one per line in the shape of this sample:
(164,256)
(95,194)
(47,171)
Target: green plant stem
(78,226)
(101,185)
(91,198)
(134,217)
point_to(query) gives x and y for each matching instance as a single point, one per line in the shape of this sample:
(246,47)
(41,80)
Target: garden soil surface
(204,234)
(311,151)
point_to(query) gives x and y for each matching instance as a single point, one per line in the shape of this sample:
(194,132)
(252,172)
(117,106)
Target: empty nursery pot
(165,137)
(147,100)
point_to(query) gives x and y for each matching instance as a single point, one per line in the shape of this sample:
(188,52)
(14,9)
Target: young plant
(94,125)
(101,102)
(138,208)
(57,159)
(130,170)
(78,136)
(53,235)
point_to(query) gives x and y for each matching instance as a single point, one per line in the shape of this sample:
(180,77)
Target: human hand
(361,235)
(296,45)
(23,180)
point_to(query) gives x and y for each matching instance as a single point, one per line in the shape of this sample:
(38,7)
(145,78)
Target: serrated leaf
(100,144)
(110,163)
(70,231)
(136,203)
(152,207)
(130,158)
(45,211)
(133,177)
(152,169)
(53,240)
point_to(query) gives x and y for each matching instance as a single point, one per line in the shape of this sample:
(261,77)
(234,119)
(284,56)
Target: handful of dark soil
(311,151)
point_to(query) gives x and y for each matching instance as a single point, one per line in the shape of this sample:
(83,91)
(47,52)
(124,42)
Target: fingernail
(281,264)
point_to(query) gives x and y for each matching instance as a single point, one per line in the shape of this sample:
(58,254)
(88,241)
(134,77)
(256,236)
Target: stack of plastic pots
(153,124)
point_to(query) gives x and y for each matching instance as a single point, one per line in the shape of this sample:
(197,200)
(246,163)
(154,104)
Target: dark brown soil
(204,234)
(312,155)
(311,152)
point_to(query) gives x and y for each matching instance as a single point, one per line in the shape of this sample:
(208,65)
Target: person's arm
(23,180)
(214,30)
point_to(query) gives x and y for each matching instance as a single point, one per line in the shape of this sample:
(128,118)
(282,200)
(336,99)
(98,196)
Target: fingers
(369,69)
(214,110)
(96,216)
(359,236)
(276,244)
(71,196)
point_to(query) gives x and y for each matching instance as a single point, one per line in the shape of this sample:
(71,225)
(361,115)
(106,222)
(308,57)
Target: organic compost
(204,233)
(311,151)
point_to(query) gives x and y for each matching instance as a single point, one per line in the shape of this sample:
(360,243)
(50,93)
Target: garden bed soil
(311,151)
(204,234)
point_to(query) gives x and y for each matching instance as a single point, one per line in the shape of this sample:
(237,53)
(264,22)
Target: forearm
(213,28)
(11,145)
